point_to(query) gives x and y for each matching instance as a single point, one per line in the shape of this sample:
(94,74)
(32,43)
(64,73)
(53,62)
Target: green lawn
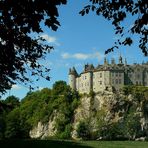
(115,144)
(71,144)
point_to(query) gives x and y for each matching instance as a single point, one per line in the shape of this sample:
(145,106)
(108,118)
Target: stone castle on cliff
(108,75)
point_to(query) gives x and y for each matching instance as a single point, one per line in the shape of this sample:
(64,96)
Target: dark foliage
(20,52)
(38,106)
(83,130)
(42,143)
(117,11)
(12,101)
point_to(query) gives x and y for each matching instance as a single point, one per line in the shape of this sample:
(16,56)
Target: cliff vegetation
(64,114)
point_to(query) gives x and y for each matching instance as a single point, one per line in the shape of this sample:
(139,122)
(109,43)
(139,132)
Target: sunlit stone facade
(108,75)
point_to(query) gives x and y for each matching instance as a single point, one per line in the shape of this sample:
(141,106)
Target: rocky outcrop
(43,130)
(115,106)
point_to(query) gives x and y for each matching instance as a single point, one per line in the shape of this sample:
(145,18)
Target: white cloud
(82,56)
(16,87)
(50,39)
(66,56)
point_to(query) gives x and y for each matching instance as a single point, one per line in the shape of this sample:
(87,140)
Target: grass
(71,144)
(115,144)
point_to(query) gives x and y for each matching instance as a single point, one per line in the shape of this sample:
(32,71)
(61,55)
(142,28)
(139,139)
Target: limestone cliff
(102,109)
(43,130)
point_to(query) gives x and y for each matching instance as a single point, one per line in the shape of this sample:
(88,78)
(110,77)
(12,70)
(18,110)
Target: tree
(117,11)
(60,88)
(2,126)
(13,101)
(20,51)
(13,129)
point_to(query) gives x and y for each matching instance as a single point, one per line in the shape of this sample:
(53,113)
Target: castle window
(119,74)
(113,74)
(85,77)
(100,75)
(112,81)
(100,82)
(119,81)
(116,74)
(130,75)
(138,76)
(116,81)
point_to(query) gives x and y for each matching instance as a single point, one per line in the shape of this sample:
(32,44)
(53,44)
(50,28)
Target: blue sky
(78,41)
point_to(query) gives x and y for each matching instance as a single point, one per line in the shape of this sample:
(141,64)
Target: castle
(108,75)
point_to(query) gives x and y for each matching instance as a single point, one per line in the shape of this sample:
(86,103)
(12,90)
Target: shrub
(83,130)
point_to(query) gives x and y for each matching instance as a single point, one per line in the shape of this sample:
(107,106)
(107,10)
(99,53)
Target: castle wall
(77,83)
(117,79)
(84,82)
(116,75)
(138,75)
(100,80)
(146,78)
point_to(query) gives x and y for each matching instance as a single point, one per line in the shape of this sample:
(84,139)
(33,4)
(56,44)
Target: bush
(66,134)
(83,130)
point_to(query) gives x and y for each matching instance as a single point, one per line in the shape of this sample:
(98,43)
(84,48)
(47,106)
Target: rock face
(43,130)
(114,106)
(89,105)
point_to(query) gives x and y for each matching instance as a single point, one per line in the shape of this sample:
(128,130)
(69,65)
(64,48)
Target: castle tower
(113,61)
(125,63)
(105,61)
(120,60)
(72,78)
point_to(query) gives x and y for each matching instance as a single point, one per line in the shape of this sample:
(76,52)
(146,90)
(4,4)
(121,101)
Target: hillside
(106,115)
(62,113)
